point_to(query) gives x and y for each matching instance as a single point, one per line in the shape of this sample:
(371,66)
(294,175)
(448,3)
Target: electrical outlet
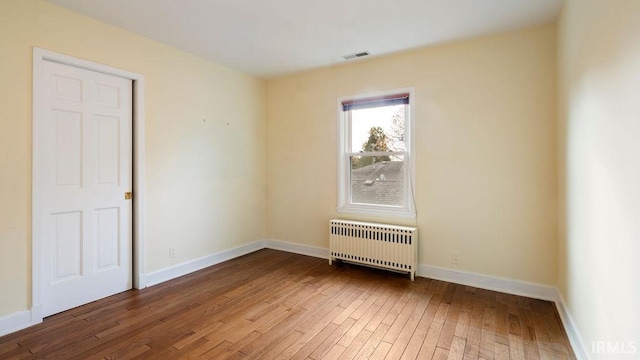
(172,253)
(455,257)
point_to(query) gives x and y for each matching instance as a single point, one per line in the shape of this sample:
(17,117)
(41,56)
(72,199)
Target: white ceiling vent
(356,55)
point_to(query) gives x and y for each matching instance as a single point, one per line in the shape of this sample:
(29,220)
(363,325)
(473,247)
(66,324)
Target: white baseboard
(301,249)
(23,319)
(513,287)
(572,330)
(17,321)
(188,267)
(510,286)
(141,283)
(175,271)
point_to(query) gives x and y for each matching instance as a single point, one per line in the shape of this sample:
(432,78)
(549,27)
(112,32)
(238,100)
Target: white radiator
(380,245)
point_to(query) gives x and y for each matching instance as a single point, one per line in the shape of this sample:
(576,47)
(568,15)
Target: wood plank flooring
(277,305)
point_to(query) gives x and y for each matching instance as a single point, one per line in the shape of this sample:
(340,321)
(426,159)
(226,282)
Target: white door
(85,138)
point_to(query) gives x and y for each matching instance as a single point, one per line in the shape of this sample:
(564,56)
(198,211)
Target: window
(375,174)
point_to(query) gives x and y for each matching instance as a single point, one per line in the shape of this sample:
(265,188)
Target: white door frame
(139,258)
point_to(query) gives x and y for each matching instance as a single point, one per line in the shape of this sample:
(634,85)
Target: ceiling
(269,38)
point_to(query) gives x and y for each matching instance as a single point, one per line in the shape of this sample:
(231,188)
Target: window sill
(388,213)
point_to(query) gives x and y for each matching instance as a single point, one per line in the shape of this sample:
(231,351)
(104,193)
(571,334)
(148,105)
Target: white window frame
(344,164)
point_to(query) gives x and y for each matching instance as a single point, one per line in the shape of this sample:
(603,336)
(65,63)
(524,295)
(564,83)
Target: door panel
(108,238)
(86,137)
(68,148)
(108,141)
(67,249)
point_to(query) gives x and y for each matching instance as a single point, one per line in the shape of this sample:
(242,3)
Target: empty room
(404,179)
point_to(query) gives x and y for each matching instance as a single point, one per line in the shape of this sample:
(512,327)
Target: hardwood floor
(276,305)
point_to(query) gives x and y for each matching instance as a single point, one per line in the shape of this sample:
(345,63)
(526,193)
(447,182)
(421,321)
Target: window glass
(374,174)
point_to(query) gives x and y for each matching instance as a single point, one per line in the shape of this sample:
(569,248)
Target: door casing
(139,249)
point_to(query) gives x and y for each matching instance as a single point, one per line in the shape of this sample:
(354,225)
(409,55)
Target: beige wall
(600,137)
(205,181)
(485,135)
